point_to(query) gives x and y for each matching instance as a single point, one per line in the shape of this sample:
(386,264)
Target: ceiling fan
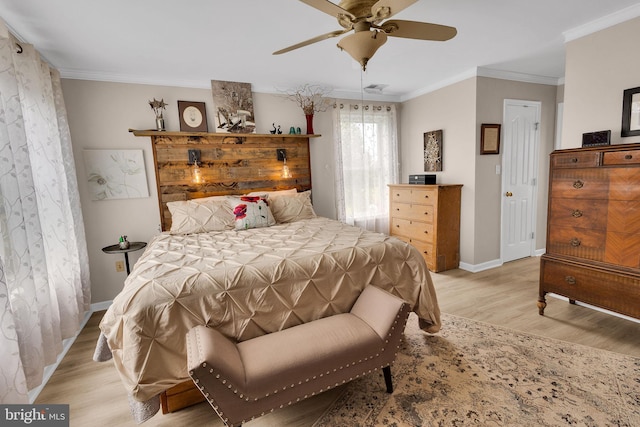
(365,18)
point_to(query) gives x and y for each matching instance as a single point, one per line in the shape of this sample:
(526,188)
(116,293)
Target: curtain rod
(366,107)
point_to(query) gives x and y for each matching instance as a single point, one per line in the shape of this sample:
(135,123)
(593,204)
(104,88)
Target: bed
(217,266)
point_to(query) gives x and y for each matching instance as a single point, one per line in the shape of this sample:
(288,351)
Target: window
(367,161)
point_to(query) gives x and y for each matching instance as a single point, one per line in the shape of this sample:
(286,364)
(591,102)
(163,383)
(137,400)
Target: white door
(519,180)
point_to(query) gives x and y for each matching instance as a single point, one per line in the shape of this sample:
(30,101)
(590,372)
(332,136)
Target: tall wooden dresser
(593,228)
(428,217)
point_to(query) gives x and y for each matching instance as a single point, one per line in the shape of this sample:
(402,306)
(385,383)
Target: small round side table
(115,249)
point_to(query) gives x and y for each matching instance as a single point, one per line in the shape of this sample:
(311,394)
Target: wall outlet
(119,266)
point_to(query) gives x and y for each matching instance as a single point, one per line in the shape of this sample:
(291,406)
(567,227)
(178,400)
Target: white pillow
(288,192)
(290,208)
(200,215)
(251,212)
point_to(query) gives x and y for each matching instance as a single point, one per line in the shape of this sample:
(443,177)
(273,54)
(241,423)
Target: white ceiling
(191,42)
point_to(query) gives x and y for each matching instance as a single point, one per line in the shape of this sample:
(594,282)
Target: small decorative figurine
(273,131)
(279,131)
(123,243)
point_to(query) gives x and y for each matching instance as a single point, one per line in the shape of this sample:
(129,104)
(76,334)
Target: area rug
(473,373)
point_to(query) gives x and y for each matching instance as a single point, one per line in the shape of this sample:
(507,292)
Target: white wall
(100,115)
(599,68)
(452,109)
(459,110)
(491,95)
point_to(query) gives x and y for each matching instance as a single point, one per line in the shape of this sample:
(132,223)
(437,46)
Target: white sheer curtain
(367,161)
(44,269)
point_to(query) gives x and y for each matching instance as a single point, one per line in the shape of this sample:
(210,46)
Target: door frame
(536,154)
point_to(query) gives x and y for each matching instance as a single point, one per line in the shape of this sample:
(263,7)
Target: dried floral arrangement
(158,107)
(311,98)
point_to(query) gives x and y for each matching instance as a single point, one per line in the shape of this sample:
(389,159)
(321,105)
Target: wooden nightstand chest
(428,217)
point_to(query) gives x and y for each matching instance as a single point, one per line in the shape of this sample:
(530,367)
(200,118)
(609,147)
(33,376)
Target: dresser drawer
(582,213)
(426,250)
(417,230)
(577,242)
(576,160)
(420,195)
(412,211)
(580,183)
(606,289)
(616,158)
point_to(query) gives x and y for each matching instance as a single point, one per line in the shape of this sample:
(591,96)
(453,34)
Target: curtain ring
(355,107)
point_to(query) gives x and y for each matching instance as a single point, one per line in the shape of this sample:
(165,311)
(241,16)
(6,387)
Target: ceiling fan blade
(311,41)
(418,30)
(328,7)
(384,9)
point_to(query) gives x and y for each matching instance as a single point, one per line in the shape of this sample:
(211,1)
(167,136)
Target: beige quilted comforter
(249,283)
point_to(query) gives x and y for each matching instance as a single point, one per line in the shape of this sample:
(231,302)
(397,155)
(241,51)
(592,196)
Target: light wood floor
(503,296)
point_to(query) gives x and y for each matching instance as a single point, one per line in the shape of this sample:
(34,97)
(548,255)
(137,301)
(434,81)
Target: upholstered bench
(244,380)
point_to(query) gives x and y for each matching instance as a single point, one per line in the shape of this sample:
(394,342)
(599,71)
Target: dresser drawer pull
(578,184)
(577,213)
(426,196)
(628,157)
(425,252)
(574,160)
(575,242)
(398,209)
(398,225)
(570,280)
(426,232)
(426,213)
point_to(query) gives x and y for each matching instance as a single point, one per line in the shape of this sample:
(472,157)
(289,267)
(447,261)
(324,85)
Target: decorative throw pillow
(290,208)
(200,215)
(251,212)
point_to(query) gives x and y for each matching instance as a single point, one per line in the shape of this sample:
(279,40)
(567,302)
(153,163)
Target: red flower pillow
(251,212)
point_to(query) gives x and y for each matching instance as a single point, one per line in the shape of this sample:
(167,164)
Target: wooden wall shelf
(152,132)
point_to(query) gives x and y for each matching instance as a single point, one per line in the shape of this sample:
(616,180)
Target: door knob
(509,194)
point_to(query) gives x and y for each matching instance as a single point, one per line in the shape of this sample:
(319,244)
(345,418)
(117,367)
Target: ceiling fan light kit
(365,18)
(361,46)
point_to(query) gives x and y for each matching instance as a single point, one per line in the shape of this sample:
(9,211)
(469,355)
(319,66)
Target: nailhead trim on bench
(344,381)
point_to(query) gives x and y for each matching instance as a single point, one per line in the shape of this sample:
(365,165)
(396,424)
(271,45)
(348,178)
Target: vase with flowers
(312,99)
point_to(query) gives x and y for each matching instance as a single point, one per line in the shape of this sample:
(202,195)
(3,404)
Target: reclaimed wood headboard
(230,164)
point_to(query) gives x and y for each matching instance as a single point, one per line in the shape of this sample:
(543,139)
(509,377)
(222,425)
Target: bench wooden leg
(387,378)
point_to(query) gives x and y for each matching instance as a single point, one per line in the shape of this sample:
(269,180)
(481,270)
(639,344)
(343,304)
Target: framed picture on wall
(193,116)
(433,151)
(631,112)
(490,139)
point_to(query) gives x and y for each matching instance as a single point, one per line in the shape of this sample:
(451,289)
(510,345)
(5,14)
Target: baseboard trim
(476,268)
(66,345)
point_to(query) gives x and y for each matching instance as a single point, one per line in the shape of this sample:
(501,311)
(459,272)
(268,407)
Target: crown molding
(599,24)
(518,77)
(66,73)
(439,85)
(485,72)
